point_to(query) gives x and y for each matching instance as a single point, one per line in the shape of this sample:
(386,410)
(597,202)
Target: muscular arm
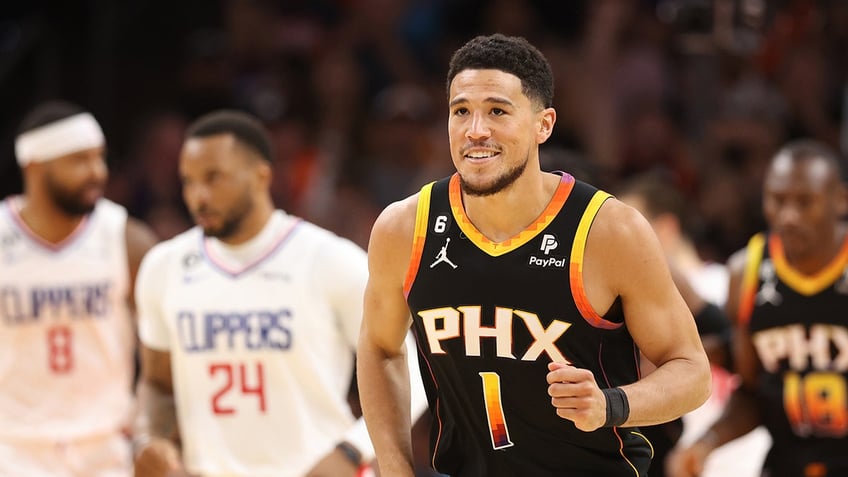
(624,259)
(382,356)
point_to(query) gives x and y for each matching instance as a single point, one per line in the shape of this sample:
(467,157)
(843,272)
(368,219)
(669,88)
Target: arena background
(353,92)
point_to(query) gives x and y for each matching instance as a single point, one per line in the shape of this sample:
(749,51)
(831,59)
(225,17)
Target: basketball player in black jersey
(789,297)
(531,295)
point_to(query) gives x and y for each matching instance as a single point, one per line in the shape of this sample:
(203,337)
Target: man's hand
(576,396)
(159,458)
(334,464)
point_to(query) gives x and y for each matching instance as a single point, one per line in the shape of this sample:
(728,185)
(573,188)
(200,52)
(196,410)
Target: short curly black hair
(510,54)
(247,129)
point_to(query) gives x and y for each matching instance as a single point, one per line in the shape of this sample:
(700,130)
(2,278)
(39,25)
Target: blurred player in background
(68,259)
(249,321)
(703,284)
(789,297)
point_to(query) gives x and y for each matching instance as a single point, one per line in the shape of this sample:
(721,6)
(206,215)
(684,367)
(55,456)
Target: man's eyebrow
(491,99)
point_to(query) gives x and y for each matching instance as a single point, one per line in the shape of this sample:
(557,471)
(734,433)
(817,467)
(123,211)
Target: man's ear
(546,123)
(263,171)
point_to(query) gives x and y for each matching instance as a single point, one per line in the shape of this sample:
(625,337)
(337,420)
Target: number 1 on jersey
(494,410)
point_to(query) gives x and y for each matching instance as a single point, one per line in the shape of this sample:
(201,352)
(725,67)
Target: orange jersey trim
(422,216)
(578,250)
(750,277)
(496,249)
(806,284)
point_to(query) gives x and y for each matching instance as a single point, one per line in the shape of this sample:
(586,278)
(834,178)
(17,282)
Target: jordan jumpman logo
(443,256)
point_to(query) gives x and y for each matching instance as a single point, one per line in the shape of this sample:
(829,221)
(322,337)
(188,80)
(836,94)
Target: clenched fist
(576,396)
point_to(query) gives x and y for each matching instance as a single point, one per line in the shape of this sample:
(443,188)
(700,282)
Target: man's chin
(211,232)
(78,209)
(797,247)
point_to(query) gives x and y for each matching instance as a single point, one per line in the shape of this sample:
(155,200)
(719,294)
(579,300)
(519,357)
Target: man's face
(76,181)
(802,201)
(494,129)
(217,183)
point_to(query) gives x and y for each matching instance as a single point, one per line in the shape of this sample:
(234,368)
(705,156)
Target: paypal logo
(549,242)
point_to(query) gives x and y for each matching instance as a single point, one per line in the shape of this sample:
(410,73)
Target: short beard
(68,201)
(227,229)
(232,223)
(500,183)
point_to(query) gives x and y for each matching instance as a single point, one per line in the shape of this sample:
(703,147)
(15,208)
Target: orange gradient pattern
(422,215)
(806,284)
(494,410)
(816,403)
(496,249)
(578,249)
(750,278)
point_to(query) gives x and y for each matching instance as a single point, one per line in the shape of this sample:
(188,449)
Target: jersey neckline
(803,283)
(500,248)
(13,207)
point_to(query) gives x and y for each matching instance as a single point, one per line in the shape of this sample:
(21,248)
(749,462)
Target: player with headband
(68,259)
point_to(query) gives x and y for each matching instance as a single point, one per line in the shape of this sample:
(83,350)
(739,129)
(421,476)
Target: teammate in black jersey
(531,295)
(789,297)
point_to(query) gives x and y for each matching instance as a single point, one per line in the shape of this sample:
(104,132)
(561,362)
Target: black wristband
(618,408)
(351,453)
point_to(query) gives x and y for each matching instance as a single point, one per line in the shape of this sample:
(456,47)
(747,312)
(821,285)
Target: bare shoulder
(620,227)
(140,237)
(390,245)
(396,223)
(622,255)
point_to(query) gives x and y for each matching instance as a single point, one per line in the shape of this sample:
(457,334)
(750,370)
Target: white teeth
(480,155)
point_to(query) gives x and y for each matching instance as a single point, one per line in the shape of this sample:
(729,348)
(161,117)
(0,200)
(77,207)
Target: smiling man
(529,334)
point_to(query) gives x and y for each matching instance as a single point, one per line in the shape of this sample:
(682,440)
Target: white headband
(59,138)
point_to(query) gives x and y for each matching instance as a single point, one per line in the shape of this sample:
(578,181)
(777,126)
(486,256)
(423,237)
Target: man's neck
(46,220)
(822,257)
(252,224)
(503,215)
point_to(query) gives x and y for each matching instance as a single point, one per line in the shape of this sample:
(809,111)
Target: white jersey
(262,353)
(66,336)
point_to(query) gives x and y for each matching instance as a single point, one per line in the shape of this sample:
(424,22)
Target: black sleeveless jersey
(489,317)
(799,326)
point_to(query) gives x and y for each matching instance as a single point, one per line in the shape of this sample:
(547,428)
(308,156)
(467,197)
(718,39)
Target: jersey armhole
(422,216)
(748,293)
(578,250)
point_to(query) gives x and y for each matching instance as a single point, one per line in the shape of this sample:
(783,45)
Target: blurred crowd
(701,91)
